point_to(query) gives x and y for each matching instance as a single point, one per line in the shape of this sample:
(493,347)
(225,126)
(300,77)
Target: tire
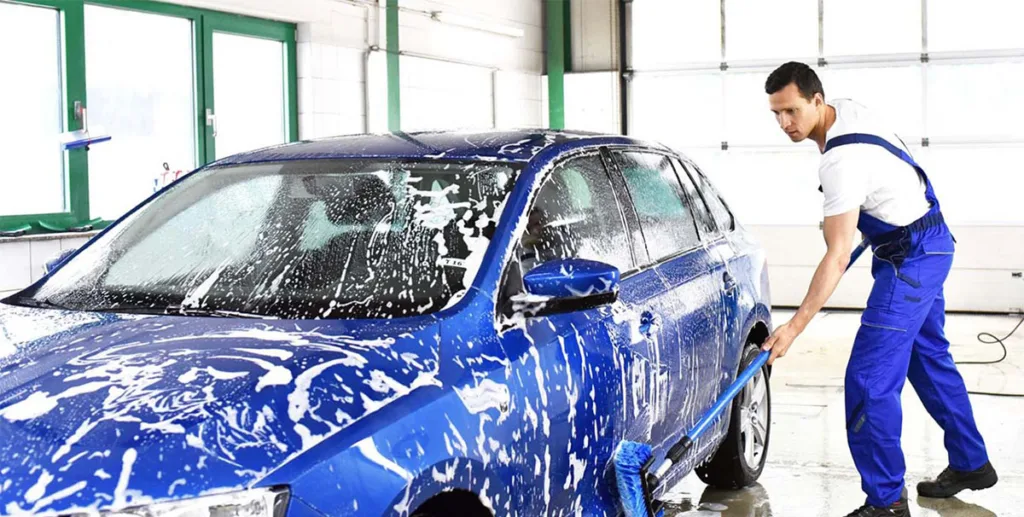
(733,466)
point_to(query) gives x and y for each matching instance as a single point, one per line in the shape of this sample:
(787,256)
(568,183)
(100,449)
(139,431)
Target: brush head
(630,460)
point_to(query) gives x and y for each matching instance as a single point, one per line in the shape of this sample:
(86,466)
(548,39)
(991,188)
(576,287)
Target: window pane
(678,110)
(700,212)
(748,178)
(672,32)
(976,184)
(895,27)
(714,200)
(892,93)
(749,118)
(975,25)
(575,216)
(440,95)
(976,100)
(139,86)
(248,87)
(784,29)
(32,178)
(667,223)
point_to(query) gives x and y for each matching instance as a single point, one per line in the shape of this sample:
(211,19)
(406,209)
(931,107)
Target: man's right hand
(780,341)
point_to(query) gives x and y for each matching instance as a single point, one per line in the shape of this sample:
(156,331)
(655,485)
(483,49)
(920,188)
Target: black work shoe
(951,482)
(897,509)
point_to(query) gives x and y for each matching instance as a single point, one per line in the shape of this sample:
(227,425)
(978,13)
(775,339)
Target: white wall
(592,102)
(22,260)
(595,35)
(480,78)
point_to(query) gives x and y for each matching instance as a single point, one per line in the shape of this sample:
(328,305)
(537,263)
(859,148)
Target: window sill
(49,236)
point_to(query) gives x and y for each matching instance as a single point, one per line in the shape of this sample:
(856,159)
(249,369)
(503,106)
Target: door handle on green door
(211,120)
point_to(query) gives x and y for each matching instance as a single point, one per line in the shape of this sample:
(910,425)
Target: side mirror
(570,285)
(57,260)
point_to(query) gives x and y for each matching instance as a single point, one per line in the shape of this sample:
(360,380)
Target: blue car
(406,324)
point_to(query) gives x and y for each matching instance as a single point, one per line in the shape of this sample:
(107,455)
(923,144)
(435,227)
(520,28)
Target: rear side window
(704,218)
(575,216)
(660,203)
(716,204)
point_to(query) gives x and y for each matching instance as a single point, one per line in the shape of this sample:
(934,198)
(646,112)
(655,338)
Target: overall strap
(864,138)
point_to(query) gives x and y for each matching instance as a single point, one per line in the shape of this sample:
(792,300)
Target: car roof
(494,145)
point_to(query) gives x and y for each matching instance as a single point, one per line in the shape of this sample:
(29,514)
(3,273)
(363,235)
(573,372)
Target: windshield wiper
(37,303)
(212,313)
(178,310)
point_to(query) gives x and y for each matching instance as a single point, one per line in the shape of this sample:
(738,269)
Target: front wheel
(740,459)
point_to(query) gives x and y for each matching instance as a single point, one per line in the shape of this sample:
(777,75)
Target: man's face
(795,114)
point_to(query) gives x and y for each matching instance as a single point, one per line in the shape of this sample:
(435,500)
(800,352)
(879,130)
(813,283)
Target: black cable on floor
(990,339)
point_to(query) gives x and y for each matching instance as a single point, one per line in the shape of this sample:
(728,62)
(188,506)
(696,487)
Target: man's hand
(780,341)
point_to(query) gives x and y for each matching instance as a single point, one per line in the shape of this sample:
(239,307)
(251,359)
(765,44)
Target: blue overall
(901,337)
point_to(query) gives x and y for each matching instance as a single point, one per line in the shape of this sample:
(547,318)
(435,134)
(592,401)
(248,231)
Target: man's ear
(819,100)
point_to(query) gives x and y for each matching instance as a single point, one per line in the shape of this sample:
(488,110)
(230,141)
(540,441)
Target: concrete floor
(810,472)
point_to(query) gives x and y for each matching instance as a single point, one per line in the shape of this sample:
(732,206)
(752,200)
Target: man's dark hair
(792,72)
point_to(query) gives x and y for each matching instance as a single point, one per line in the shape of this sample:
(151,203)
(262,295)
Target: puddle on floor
(749,502)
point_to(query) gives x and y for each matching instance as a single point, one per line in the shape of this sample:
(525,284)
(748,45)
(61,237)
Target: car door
(687,309)
(581,375)
(717,229)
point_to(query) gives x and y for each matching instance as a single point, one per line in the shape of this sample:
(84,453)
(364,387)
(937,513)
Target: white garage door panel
(670,25)
(977,185)
(678,110)
(981,280)
(966,290)
(789,285)
(989,247)
(873,88)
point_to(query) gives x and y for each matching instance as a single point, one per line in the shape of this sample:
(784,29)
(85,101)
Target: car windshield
(298,240)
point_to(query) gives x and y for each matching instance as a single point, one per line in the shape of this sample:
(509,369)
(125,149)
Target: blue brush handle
(730,393)
(857,252)
(678,450)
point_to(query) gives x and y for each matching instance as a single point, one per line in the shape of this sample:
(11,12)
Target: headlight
(250,503)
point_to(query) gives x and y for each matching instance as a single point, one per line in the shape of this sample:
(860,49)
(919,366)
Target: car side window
(726,221)
(660,203)
(704,218)
(575,215)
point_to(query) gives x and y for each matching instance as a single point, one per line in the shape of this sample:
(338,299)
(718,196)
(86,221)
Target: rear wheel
(740,459)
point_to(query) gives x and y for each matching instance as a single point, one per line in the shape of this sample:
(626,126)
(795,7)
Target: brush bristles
(630,457)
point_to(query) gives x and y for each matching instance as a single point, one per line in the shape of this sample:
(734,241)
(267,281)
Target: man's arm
(839,233)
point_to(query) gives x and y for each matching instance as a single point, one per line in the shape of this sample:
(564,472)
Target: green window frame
(204,23)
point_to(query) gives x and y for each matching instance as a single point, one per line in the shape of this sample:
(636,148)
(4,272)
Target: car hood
(103,411)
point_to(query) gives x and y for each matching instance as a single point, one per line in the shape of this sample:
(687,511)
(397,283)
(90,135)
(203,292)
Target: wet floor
(810,472)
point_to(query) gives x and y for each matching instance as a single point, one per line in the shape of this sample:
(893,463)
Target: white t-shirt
(868,176)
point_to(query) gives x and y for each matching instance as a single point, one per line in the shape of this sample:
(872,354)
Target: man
(871,183)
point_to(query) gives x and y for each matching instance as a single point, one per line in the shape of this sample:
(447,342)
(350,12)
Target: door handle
(729,281)
(211,120)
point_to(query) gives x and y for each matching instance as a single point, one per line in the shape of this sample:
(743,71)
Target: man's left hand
(780,341)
